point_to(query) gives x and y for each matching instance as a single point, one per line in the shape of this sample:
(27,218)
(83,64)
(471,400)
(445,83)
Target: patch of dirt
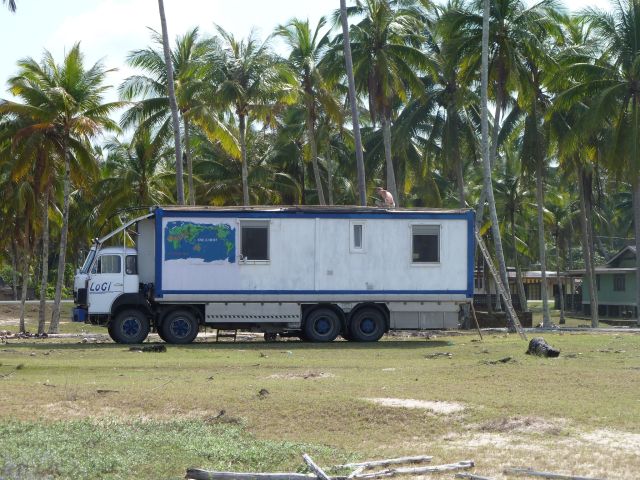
(615,439)
(303,375)
(525,425)
(443,408)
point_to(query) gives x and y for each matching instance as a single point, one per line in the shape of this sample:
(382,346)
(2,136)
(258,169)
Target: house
(616,286)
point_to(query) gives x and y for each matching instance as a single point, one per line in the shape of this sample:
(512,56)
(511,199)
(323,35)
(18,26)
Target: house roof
(601,270)
(628,248)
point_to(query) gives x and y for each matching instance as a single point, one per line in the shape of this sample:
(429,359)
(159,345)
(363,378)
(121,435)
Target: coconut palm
(306,50)
(175,121)
(64,101)
(250,79)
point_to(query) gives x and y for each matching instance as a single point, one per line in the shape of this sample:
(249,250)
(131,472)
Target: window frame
(250,223)
(414,263)
(619,276)
(98,265)
(352,237)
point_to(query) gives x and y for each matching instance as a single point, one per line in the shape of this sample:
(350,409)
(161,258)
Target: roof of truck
(312,209)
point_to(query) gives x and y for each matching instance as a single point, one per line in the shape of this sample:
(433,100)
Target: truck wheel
(322,325)
(179,326)
(129,326)
(367,325)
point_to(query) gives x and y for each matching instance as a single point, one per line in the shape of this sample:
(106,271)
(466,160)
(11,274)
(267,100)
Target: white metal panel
(146,246)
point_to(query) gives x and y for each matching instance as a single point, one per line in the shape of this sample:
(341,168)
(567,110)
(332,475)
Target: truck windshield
(88,261)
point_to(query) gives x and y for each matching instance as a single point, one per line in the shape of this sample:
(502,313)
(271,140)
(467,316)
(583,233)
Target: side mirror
(77,271)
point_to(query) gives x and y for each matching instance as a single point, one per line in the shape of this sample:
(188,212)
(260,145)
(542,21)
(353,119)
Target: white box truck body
(313,272)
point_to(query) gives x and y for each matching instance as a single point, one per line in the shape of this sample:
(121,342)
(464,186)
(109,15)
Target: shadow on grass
(46,344)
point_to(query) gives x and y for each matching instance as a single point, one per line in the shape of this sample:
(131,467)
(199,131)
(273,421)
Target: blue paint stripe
(316,292)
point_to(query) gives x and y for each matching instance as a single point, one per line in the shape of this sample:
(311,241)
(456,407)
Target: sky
(109,29)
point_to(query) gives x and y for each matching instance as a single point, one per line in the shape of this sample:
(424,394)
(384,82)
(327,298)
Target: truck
(310,272)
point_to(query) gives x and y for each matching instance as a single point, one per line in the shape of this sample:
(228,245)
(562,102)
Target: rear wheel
(179,327)
(367,325)
(129,326)
(322,325)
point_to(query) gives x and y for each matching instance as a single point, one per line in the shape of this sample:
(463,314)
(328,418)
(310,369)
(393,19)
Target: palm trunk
(560,286)
(391,177)
(460,181)
(14,269)
(330,180)
(487,286)
(314,154)
(546,318)
(42,313)
(355,119)
(586,250)
(486,161)
(636,223)
(187,153)
(25,283)
(243,158)
(55,314)
(173,104)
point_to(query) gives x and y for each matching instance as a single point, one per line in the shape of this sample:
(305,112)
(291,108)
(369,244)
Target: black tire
(322,325)
(367,325)
(129,326)
(179,327)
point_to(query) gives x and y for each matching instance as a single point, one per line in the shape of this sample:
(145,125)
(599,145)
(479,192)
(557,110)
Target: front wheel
(129,326)
(322,325)
(179,327)
(367,325)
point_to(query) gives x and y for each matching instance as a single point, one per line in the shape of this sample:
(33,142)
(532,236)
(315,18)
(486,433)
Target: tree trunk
(486,279)
(486,161)
(311,135)
(330,180)
(64,231)
(460,181)
(391,176)
(243,157)
(586,250)
(42,312)
(25,281)
(362,187)
(560,286)
(636,223)
(546,318)
(173,104)
(187,153)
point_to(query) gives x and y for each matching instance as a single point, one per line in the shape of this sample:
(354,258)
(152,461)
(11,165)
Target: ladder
(226,334)
(500,286)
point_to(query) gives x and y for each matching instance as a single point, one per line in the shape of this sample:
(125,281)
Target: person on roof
(386,198)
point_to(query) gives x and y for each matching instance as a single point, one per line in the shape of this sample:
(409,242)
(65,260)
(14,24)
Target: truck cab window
(425,240)
(131,265)
(254,240)
(108,264)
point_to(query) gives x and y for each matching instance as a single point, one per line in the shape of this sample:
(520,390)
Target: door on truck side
(106,283)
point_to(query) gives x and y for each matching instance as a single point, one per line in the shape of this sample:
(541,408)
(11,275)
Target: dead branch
(388,461)
(418,470)
(315,468)
(528,472)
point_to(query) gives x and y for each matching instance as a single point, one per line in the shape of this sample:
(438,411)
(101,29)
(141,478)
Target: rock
(538,346)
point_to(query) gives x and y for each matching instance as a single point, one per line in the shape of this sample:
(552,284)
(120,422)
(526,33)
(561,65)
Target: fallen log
(471,476)
(528,472)
(418,470)
(199,474)
(315,468)
(538,346)
(388,461)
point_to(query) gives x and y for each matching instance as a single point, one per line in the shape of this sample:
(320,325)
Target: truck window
(425,243)
(254,240)
(108,264)
(357,237)
(131,265)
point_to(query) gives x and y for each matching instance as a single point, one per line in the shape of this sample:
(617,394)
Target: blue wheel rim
(323,325)
(180,327)
(368,325)
(131,326)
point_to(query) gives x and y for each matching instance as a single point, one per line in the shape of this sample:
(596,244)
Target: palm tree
(386,61)
(173,104)
(248,77)
(65,101)
(154,110)
(353,102)
(613,80)
(306,51)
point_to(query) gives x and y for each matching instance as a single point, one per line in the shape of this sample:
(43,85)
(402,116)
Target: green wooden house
(616,284)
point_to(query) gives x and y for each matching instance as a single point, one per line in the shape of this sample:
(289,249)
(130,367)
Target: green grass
(317,396)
